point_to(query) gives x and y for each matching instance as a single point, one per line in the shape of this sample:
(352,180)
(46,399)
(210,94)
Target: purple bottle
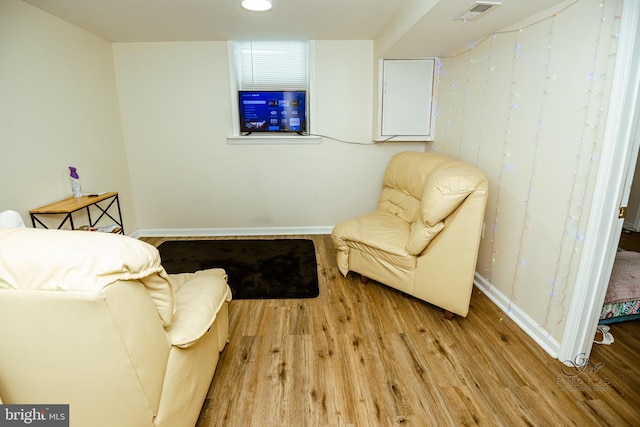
(75,183)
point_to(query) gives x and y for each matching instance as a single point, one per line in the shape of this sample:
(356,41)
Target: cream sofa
(423,238)
(92,320)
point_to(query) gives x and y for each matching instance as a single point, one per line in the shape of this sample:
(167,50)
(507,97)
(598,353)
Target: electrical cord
(349,142)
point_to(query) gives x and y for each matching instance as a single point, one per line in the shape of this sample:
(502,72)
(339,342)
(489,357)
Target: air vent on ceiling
(476,10)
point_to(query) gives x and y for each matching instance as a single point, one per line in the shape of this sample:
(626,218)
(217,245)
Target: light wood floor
(367,355)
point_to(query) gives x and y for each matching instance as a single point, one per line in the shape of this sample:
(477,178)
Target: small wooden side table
(68,206)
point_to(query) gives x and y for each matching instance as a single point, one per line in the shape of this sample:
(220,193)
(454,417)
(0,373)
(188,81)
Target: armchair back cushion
(444,189)
(82,261)
(403,184)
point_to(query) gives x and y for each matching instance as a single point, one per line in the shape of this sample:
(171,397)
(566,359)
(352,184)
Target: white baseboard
(522,319)
(258,231)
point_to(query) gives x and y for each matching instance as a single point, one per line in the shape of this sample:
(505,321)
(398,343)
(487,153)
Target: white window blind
(272,65)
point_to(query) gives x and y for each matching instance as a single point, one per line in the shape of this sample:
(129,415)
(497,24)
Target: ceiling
(410,28)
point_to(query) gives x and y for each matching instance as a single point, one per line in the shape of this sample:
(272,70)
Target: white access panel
(407,94)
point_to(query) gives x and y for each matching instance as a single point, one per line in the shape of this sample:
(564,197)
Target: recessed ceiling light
(257,5)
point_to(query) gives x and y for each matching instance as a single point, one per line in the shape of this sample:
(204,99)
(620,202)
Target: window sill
(273,139)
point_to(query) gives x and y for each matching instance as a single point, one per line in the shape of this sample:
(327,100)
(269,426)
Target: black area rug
(257,269)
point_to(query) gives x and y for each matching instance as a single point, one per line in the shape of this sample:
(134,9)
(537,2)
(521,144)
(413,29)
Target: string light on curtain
(586,146)
(567,247)
(257,5)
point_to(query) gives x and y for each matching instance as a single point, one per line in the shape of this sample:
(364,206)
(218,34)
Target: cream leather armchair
(92,320)
(424,236)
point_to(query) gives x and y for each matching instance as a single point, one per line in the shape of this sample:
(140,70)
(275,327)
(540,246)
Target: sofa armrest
(199,297)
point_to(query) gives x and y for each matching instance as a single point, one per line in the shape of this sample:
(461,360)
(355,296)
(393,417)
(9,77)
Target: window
(265,65)
(280,66)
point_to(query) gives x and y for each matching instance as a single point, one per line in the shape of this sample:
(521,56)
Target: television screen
(273,111)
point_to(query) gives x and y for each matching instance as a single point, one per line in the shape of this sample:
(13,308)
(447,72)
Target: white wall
(63,105)
(528,106)
(58,108)
(176,112)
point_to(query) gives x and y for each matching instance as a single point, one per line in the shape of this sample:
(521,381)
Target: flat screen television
(273,111)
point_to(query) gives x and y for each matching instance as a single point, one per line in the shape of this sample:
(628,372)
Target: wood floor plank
(368,355)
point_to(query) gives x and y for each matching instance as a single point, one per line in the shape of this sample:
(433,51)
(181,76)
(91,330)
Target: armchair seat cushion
(379,233)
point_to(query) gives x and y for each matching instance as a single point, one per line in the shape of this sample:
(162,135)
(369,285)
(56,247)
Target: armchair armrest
(199,297)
